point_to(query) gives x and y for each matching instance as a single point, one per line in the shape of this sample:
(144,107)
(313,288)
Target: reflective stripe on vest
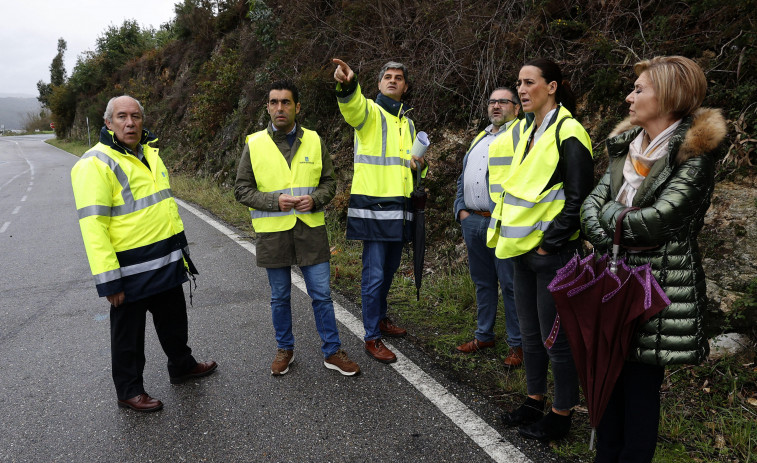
(522,232)
(257,214)
(130,204)
(383,174)
(142,267)
(379,215)
(501,158)
(383,180)
(382,160)
(525,210)
(553,195)
(500,161)
(138,247)
(302,178)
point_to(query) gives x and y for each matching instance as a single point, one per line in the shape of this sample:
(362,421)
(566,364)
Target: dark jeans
(127,339)
(536,313)
(488,272)
(381,259)
(628,429)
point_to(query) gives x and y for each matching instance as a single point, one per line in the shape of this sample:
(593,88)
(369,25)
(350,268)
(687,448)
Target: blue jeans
(536,312)
(381,259)
(317,282)
(487,271)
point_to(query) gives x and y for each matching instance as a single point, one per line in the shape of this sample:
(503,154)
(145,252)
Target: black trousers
(127,339)
(627,431)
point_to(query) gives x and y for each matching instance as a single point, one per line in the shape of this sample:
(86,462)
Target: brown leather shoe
(376,349)
(202,369)
(515,359)
(141,403)
(391,330)
(474,346)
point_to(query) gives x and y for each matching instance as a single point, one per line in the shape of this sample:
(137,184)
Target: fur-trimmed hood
(708,129)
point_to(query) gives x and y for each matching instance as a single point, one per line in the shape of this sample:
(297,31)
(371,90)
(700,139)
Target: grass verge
(709,412)
(72,146)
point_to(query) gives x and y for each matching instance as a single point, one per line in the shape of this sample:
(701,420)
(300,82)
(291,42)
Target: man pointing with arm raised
(380,211)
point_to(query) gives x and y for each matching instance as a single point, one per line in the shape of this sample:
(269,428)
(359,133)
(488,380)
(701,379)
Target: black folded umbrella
(419,197)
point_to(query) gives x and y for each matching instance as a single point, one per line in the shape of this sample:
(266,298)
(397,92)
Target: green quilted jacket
(673,199)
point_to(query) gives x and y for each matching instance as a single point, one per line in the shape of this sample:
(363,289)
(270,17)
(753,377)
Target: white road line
(23,198)
(14,178)
(471,424)
(16,209)
(4,227)
(29,189)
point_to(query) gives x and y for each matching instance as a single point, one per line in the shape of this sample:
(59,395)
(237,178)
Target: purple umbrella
(600,301)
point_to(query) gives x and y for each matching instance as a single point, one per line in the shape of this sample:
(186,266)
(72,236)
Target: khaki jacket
(302,245)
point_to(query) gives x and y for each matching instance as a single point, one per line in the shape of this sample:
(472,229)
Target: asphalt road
(57,401)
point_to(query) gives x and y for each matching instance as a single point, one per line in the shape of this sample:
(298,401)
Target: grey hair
(394,65)
(108,115)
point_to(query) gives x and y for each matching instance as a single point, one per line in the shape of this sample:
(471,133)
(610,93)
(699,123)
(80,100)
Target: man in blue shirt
(473,207)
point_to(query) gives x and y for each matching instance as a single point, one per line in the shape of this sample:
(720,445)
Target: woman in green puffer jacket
(662,160)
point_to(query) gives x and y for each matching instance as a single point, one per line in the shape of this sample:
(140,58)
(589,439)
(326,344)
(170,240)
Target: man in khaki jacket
(285,177)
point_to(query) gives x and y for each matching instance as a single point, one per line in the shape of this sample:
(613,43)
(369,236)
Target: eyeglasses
(502,101)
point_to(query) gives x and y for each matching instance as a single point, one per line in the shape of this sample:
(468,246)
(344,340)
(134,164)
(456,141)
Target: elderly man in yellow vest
(380,212)
(137,250)
(285,177)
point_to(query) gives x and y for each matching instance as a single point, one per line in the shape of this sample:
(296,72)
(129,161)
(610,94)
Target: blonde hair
(679,83)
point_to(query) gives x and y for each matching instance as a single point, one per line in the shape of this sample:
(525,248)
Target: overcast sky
(29,32)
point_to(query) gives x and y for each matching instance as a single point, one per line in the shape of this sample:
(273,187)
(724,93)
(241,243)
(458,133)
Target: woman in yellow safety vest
(550,176)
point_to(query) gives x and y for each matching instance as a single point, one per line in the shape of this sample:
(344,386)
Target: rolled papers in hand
(420,145)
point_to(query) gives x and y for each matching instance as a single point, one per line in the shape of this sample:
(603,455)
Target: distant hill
(13,111)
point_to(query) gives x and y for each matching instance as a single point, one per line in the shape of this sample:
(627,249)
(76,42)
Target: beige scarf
(640,161)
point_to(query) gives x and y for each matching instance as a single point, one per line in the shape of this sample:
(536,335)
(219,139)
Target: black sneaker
(551,427)
(531,411)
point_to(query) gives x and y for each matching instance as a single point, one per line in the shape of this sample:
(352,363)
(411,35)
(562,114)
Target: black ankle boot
(531,411)
(551,427)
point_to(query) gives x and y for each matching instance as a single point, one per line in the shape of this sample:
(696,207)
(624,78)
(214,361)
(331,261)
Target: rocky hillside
(203,81)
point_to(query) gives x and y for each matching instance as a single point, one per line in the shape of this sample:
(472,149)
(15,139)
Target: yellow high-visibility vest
(527,207)
(382,183)
(129,220)
(274,175)
(500,159)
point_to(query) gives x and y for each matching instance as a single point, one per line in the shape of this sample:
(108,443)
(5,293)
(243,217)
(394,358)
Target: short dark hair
(285,84)
(515,98)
